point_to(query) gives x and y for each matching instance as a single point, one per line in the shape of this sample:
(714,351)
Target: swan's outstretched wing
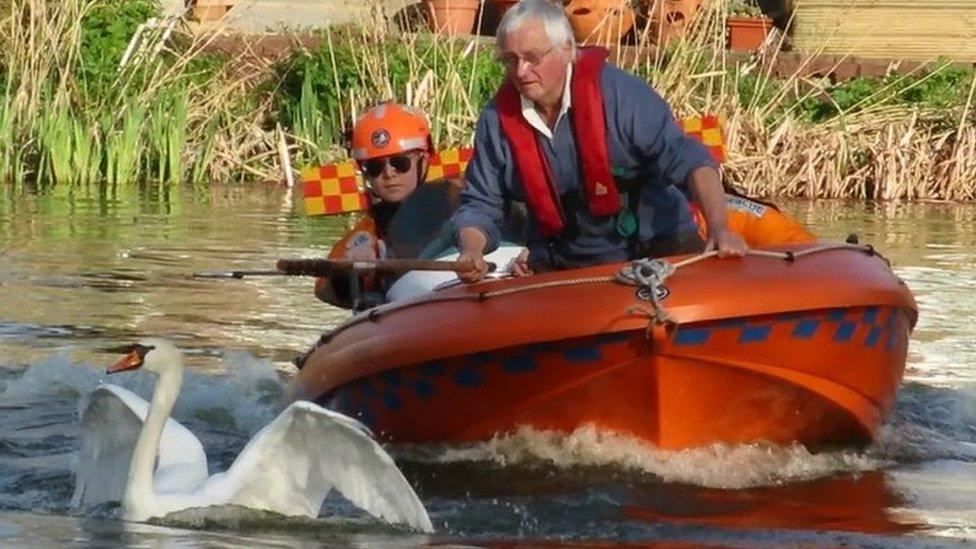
(290,466)
(110,423)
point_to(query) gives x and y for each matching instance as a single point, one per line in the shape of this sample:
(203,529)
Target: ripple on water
(134,255)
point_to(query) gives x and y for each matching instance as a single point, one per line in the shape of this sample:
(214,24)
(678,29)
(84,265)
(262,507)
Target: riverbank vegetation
(177,112)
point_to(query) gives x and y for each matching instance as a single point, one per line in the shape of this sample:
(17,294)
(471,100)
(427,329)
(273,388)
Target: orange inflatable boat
(804,343)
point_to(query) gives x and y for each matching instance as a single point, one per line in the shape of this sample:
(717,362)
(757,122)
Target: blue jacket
(646,147)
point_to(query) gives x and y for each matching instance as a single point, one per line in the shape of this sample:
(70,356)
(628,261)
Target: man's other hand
(520,265)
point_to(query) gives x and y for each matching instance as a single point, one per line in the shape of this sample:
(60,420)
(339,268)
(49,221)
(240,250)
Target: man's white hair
(551,14)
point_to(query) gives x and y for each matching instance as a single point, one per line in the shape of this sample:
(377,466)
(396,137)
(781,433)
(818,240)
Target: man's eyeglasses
(375,166)
(511,61)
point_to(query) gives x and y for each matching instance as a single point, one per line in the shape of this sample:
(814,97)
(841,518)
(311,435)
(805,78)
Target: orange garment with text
(359,242)
(759,224)
(362,243)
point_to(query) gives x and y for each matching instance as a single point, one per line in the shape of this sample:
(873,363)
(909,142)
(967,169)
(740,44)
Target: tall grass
(323,91)
(7,149)
(68,116)
(123,144)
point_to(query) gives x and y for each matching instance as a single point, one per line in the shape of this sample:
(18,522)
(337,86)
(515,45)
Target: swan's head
(156,355)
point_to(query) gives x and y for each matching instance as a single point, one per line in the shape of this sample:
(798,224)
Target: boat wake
(714,466)
(343,518)
(928,424)
(39,438)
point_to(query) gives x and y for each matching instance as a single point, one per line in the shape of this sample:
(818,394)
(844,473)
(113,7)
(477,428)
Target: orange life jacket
(759,224)
(363,239)
(362,236)
(589,126)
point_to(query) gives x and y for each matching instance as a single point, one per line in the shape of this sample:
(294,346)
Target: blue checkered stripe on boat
(389,390)
(872,327)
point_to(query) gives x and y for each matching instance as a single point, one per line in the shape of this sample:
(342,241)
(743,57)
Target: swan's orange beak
(131,361)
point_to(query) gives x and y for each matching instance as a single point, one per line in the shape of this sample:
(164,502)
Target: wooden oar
(327,267)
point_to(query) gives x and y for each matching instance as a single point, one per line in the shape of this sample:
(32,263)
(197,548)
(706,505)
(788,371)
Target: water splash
(930,423)
(714,466)
(244,398)
(54,376)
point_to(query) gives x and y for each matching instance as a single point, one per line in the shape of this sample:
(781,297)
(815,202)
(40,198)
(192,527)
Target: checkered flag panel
(340,188)
(449,163)
(708,130)
(333,189)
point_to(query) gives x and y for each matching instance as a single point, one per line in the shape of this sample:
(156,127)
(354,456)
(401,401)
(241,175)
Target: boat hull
(786,368)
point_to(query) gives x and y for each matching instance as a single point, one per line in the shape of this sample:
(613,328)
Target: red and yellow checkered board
(708,130)
(339,188)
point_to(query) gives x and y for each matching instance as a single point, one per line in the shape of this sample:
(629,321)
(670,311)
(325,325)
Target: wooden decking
(904,29)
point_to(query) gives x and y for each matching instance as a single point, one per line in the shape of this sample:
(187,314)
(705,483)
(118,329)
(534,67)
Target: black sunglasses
(375,166)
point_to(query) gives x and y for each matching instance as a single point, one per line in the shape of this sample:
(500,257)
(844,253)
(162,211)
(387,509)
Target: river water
(86,271)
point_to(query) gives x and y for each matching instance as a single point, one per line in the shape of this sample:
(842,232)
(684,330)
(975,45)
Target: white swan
(288,467)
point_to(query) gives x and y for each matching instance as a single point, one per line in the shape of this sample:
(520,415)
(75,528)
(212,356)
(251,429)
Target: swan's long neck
(140,485)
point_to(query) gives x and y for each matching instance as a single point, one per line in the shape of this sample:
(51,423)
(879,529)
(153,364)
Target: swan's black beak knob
(133,359)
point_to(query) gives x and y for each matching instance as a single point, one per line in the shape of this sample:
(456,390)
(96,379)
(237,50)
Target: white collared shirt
(533,117)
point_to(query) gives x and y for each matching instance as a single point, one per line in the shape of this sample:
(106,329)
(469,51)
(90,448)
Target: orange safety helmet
(389,128)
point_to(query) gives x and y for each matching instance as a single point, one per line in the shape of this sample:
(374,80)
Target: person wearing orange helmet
(392,145)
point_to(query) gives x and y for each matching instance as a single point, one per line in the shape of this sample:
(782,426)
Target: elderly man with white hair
(592,151)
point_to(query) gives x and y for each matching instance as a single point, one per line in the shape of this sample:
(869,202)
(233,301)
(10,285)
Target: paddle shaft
(325,267)
(328,267)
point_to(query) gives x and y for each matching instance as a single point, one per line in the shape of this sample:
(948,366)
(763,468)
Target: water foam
(930,423)
(244,398)
(54,376)
(715,466)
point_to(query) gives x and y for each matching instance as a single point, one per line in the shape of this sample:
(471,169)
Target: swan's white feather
(111,419)
(288,467)
(292,463)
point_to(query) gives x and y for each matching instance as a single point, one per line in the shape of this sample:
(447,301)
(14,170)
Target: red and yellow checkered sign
(708,130)
(339,188)
(449,163)
(333,189)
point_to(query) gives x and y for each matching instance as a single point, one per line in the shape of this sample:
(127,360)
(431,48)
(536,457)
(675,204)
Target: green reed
(55,144)
(206,144)
(314,129)
(123,144)
(166,138)
(6,137)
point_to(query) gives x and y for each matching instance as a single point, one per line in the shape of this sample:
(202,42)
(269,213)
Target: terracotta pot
(747,34)
(452,17)
(209,10)
(599,21)
(504,5)
(670,18)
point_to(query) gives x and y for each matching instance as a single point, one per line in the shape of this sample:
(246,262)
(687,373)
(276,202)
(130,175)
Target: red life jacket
(588,121)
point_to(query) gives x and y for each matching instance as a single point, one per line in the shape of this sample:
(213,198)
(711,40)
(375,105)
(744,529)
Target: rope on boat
(787,256)
(645,273)
(551,284)
(649,274)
